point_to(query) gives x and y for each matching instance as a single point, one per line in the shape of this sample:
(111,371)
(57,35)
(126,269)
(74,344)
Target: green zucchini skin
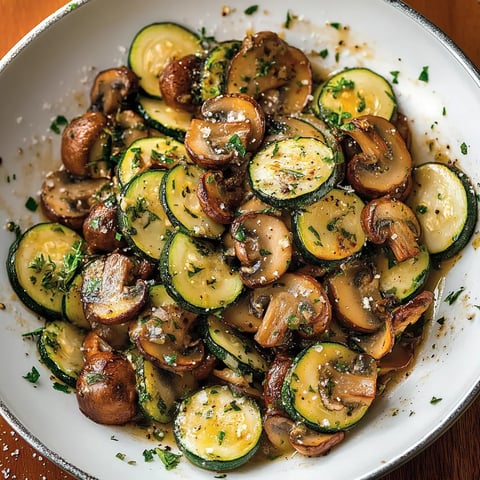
(445,203)
(215,66)
(141,216)
(217,429)
(305,381)
(154,46)
(329,230)
(60,349)
(351,93)
(402,279)
(72,304)
(277,172)
(180,200)
(237,351)
(36,266)
(197,276)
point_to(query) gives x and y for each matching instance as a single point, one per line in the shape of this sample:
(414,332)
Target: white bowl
(48,74)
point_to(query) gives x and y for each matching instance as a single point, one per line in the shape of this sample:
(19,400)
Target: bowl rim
(470,68)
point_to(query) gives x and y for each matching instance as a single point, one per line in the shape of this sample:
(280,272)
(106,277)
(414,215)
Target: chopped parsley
(251,10)
(452,297)
(424,77)
(58,123)
(31,204)
(32,376)
(435,400)
(395,74)
(168,458)
(290,19)
(464,148)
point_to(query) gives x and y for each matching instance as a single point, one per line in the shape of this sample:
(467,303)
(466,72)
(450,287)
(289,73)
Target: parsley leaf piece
(251,10)
(424,77)
(32,376)
(169,459)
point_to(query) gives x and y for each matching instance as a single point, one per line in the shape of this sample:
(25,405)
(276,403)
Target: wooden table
(456,455)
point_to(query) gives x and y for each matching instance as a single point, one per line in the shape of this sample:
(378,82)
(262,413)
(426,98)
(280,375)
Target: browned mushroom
(384,165)
(399,358)
(177,82)
(113,90)
(240,383)
(263,244)
(84,145)
(268,69)
(240,315)
(294,303)
(68,200)
(386,220)
(220,196)
(165,335)
(93,343)
(410,312)
(111,294)
(312,443)
(100,228)
(277,427)
(128,126)
(354,292)
(231,125)
(273,384)
(379,343)
(106,389)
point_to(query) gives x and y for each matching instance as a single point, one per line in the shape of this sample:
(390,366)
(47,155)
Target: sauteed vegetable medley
(235,247)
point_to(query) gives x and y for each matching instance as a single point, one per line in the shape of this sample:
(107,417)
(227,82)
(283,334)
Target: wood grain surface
(456,455)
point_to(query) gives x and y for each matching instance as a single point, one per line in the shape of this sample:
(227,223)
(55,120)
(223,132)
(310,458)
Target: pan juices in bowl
(345,31)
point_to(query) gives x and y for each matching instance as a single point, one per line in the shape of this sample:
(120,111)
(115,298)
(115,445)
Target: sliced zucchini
(180,199)
(146,153)
(142,218)
(165,119)
(354,92)
(330,229)
(72,306)
(329,387)
(40,265)
(196,274)
(294,172)
(402,279)
(156,397)
(445,203)
(237,351)
(159,296)
(214,72)
(60,349)
(283,127)
(156,45)
(217,429)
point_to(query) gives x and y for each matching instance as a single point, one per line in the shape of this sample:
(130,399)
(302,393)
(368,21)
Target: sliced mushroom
(410,312)
(231,125)
(113,90)
(84,145)
(384,165)
(106,389)
(386,220)
(236,107)
(93,343)
(178,80)
(165,336)
(273,384)
(128,126)
(312,443)
(379,343)
(354,292)
(220,196)
(100,228)
(111,294)
(240,315)
(399,358)
(266,63)
(263,244)
(277,427)
(295,303)
(68,200)
(240,383)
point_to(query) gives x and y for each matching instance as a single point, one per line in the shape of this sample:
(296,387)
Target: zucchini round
(329,387)
(180,199)
(163,118)
(196,274)
(354,92)
(445,203)
(146,153)
(237,351)
(72,306)
(154,46)
(330,229)
(217,429)
(214,72)
(294,172)
(60,349)
(402,279)
(142,218)
(40,265)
